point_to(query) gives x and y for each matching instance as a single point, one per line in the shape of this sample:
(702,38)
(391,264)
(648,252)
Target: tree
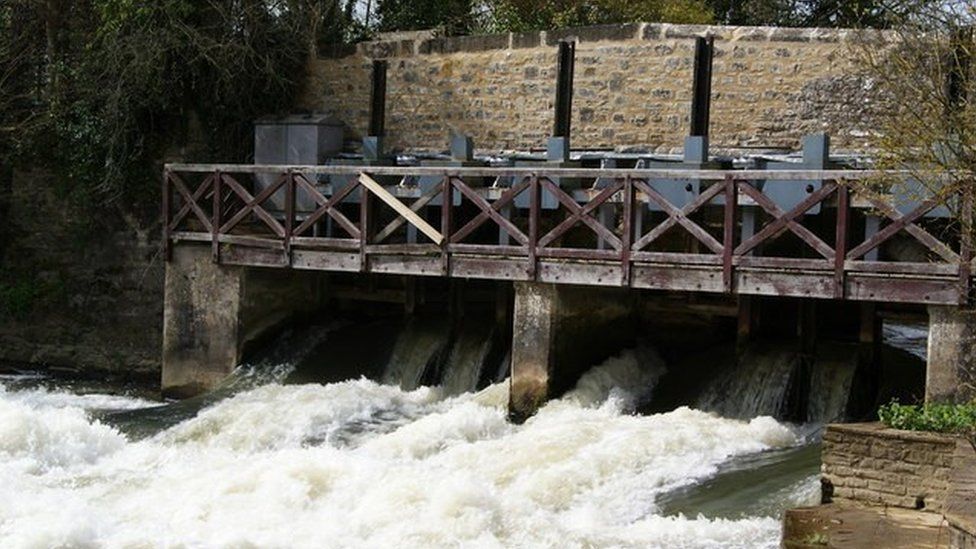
(98,90)
(455,17)
(923,71)
(814,13)
(525,15)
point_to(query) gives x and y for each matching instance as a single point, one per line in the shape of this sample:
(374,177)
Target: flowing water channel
(273,460)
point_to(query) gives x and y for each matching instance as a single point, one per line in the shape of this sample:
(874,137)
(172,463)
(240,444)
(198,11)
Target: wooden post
(447,205)
(167,217)
(215,219)
(626,242)
(289,214)
(731,200)
(365,225)
(840,240)
(534,212)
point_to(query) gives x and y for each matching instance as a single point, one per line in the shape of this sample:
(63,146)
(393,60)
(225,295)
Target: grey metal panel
(548,201)
(270,144)
(427,183)
(339,182)
(910,195)
(677,192)
(788,194)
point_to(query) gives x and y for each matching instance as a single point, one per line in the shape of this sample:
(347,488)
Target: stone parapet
(871,464)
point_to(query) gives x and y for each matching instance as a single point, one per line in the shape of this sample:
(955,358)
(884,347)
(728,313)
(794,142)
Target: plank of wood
(707,175)
(401,209)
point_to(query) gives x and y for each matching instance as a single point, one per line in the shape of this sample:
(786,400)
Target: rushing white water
(359,464)
(756,384)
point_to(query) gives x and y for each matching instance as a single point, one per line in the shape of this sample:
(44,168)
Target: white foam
(40,397)
(358,464)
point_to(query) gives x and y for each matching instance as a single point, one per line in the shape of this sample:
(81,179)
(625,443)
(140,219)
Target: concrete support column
(212,313)
(533,329)
(951,372)
(559,332)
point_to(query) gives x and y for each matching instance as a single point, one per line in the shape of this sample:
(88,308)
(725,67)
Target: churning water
(363,464)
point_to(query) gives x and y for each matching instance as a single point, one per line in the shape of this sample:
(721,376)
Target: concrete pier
(559,332)
(951,373)
(213,312)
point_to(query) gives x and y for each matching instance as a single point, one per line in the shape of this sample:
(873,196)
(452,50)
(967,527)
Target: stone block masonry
(869,463)
(632,87)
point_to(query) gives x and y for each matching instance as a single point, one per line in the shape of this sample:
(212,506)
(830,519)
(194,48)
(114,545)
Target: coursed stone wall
(869,463)
(632,87)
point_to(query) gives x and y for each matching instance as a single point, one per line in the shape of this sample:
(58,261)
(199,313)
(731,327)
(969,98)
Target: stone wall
(632,87)
(869,463)
(95,286)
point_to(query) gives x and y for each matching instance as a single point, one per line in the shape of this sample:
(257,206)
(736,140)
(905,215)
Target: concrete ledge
(847,526)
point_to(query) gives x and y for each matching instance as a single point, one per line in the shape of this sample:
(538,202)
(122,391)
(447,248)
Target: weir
(572,249)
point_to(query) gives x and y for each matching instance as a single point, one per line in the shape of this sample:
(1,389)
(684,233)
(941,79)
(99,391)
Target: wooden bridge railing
(372,219)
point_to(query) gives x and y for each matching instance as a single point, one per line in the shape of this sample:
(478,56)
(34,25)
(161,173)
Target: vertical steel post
(564,89)
(377,99)
(701,98)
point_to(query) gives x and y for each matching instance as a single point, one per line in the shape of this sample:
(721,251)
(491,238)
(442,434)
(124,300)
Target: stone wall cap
(879,430)
(433,41)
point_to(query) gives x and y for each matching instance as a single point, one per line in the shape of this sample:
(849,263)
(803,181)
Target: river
(264,462)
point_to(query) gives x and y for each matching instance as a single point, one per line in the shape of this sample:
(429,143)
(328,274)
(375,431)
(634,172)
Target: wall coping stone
(879,430)
(428,43)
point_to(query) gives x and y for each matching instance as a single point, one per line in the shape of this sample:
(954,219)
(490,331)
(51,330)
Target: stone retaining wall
(632,87)
(869,463)
(96,300)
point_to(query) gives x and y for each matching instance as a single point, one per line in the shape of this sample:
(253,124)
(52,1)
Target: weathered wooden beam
(402,209)
(462,172)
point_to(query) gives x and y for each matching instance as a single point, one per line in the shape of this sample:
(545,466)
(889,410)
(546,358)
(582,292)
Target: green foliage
(814,13)
(455,17)
(939,418)
(526,15)
(99,91)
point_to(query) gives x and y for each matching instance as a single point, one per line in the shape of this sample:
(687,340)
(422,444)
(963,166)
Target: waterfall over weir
(766,379)
(305,447)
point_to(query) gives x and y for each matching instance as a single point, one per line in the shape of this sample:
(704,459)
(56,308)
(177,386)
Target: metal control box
(295,140)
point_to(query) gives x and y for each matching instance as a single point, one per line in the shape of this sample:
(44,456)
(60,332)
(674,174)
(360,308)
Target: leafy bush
(939,418)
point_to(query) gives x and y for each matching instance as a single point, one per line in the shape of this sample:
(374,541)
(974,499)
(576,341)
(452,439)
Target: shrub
(939,418)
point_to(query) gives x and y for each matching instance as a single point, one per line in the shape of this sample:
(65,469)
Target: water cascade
(274,459)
